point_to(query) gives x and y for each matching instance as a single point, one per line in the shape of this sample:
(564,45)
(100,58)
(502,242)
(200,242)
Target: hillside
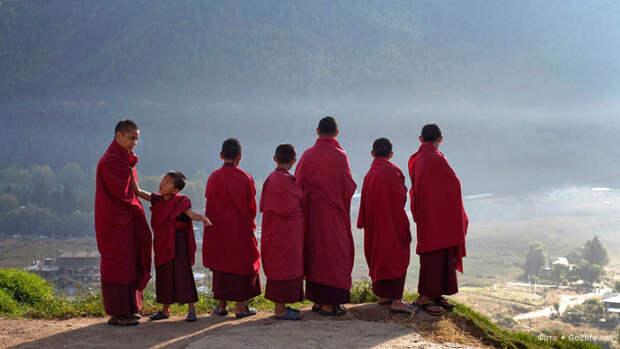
(212,50)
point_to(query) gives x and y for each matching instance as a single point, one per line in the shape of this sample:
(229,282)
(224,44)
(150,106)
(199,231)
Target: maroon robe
(282,237)
(437,208)
(229,247)
(123,235)
(325,177)
(387,236)
(175,246)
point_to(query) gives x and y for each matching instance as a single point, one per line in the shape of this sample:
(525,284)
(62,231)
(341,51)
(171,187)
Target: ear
(175,191)
(238,159)
(318,133)
(390,155)
(336,133)
(118,135)
(372,152)
(439,140)
(421,139)
(275,159)
(293,161)
(222,156)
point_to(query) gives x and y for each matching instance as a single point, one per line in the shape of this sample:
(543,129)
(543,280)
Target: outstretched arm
(136,189)
(198,217)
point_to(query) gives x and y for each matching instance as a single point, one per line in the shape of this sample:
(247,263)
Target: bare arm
(198,217)
(136,189)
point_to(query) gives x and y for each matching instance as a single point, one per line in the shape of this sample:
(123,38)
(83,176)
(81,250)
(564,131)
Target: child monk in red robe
(229,247)
(386,227)
(282,235)
(174,244)
(325,177)
(437,208)
(123,235)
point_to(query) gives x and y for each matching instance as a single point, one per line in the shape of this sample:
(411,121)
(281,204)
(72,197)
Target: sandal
(293,309)
(135,316)
(444,303)
(290,314)
(338,310)
(191,317)
(158,316)
(219,312)
(249,312)
(115,321)
(424,308)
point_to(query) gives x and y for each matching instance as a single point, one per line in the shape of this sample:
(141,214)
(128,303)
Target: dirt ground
(366,326)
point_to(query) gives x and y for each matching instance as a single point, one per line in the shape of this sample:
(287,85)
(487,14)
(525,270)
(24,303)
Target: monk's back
(324,174)
(230,245)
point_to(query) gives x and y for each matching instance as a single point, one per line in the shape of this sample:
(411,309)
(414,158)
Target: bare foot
(398,304)
(384,301)
(280,309)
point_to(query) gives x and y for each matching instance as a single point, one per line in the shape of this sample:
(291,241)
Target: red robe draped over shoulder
(387,236)
(163,222)
(282,232)
(325,177)
(123,235)
(229,245)
(437,203)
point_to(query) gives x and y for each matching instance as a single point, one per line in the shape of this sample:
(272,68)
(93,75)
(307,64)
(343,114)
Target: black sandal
(219,312)
(400,311)
(158,316)
(444,303)
(424,308)
(337,311)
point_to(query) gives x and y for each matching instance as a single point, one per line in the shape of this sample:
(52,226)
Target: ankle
(280,308)
(241,308)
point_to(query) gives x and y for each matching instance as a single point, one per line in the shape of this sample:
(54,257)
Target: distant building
(612,304)
(69,270)
(560,260)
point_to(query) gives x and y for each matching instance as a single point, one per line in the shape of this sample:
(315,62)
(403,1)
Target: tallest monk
(437,208)
(325,177)
(123,235)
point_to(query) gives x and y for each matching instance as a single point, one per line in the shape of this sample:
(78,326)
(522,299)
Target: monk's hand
(206,221)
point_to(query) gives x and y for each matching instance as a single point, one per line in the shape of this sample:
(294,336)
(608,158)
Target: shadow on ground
(365,326)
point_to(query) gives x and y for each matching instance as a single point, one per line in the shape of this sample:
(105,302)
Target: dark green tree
(594,252)
(535,259)
(559,273)
(590,272)
(8,202)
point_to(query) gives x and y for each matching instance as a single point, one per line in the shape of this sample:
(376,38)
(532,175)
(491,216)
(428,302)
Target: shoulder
(108,160)
(244,175)
(184,200)
(214,175)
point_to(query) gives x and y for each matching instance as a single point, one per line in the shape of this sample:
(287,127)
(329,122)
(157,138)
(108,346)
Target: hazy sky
(527,92)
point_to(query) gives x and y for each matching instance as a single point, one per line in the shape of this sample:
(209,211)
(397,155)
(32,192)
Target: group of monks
(306,230)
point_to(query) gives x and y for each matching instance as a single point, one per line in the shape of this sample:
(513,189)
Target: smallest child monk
(282,235)
(386,227)
(174,244)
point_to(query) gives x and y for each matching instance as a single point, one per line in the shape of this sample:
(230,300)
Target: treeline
(39,201)
(296,48)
